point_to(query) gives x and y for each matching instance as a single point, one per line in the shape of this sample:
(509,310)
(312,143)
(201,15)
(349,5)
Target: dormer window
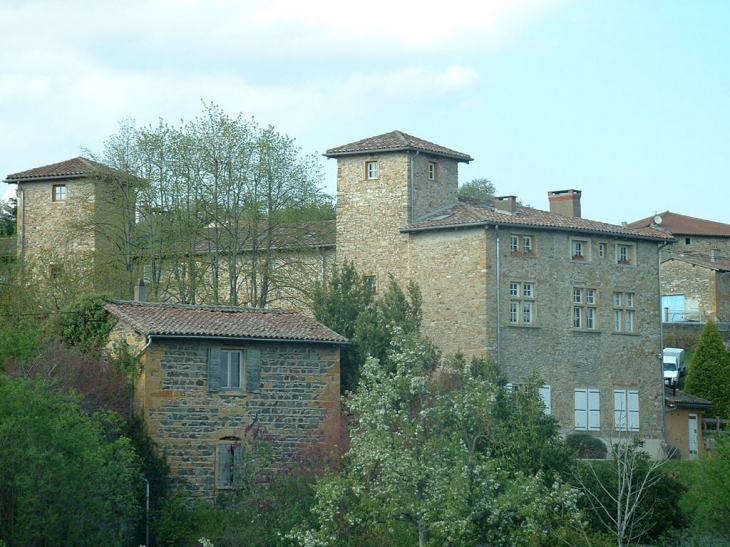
(372,170)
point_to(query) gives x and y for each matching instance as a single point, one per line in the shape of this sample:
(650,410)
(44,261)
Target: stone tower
(383,184)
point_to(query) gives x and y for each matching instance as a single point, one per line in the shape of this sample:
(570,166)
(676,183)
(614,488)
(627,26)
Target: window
(229,465)
(546,399)
(585,302)
(372,283)
(579,249)
(59,192)
(372,169)
(602,250)
(625,254)
(228,369)
(624,312)
(521,245)
(433,171)
(626,410)
(587,409)
(54,271)
(522,305)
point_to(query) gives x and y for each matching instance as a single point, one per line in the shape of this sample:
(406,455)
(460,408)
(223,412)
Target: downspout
(22,224)
(665,411)
(412,199)
(134,379)
(499,298)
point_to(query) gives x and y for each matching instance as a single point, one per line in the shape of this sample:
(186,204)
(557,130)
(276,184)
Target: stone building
(695,268)
(574,300)
(72,219)
(209,373)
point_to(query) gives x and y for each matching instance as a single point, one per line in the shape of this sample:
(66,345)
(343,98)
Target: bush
(586,446)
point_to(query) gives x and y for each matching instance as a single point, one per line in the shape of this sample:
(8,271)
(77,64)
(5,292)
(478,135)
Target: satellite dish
(657,220)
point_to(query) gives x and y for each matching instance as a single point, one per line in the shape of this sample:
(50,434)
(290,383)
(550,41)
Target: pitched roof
(682,399)
(395,141)
(73,168)
(468,212)
(703,260)
(186,320)
(683,225)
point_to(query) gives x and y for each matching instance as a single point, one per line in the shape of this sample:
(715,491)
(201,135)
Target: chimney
(715,255)
(140,291)
(507,204)
(565,203)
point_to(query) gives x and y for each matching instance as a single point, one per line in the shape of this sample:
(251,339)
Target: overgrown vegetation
(709,371)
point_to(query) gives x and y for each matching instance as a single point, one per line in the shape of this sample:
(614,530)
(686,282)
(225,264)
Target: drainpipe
(21,228)
(665,411)
(412,199)
(499,298)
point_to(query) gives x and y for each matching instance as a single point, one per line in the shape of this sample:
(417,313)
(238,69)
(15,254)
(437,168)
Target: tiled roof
(162,319)
(682,399)
(395,141)
(474,212)
(698,259)
(683,225)
(73,168)
(291,236)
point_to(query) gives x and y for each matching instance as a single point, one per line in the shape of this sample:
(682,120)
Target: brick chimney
(565,202)
(507,204)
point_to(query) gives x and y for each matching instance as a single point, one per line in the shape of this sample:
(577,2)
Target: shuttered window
(626,410)
(228,369)
(587,410)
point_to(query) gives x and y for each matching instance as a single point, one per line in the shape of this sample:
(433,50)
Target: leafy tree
(8,217)
(480,188)
(86,324)
(424,469)
(338,304)
(709,372)
(66,477)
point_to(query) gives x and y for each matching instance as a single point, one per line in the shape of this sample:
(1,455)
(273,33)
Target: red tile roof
(475,212)
(162,319)
(683,225)
(395,141)
(703,260)
(73,168)
(682,399)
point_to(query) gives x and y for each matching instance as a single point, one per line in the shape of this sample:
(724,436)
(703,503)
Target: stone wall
(299,395)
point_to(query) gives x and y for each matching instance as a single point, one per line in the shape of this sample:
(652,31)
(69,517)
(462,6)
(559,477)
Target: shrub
(586,446)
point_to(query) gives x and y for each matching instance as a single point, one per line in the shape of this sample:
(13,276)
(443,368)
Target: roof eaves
(245,338)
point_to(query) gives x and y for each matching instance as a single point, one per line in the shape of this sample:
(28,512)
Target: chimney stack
(140,291)
(565,203)
(507,204)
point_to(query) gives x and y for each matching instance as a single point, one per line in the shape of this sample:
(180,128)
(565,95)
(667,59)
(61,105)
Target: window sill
(522,326)
(619,333)
(587,331)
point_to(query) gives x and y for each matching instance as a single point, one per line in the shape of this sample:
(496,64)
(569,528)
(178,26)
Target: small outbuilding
(684,422)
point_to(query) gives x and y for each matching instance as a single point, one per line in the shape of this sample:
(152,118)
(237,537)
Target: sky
(625,100)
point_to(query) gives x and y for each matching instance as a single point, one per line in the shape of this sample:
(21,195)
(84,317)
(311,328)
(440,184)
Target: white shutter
(633,407)
(581,409)
(619,405)
(546,399)
(594,410)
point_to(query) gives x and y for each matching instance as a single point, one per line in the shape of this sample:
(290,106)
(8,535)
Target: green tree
(8,217)
(66,477)
(86,324)
(423,468)
(480,188)
(709,372)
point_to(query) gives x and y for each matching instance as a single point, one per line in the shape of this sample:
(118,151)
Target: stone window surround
(372,169)
(580,248)
(522,303)
(585,308)
(624,312)
(433,170)
(625,254)
(522,245)
(58,193)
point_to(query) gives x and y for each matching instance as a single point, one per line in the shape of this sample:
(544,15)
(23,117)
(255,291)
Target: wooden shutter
(594,410)
(253,370)
(214,369)
(633,407)
(619,405)
(546,400)
(581,409)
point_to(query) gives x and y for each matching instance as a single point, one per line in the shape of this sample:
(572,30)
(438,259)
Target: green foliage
(8,217)
(86,324)
(67,477)
(480,188)
(427,465)
(630,497)
(586,446)
(709,372)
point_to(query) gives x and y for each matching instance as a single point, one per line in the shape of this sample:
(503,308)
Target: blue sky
(628,101)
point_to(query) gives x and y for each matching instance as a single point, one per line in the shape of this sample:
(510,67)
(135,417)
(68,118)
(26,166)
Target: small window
(688,241)
(579,249)
(432,170)
(231,369)
(59,192)
(585,311)
(602,250)
(522,303)
(624,312)
(229,465)
(372,170)
(521,245)
(372,283)
(625,254)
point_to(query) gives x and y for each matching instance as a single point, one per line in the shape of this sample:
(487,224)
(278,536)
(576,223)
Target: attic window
(371,169)
(59,192)
(687,240)
(433,170)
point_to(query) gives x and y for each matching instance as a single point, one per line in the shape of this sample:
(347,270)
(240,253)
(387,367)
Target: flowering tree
(424,464)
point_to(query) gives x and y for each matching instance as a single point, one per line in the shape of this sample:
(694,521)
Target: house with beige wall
(210,374)
(684,423)
(544,291)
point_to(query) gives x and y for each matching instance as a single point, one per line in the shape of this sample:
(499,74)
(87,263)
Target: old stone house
(209,372)
(695,268)
(572,299)
(71,218)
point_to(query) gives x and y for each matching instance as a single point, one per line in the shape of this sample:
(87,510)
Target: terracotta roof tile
(704,260)
(682,399)
(683,225)
(164,319)
(73,168)
(474,212)
(393,142)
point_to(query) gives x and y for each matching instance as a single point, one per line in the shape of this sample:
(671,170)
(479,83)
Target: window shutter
(619,401)
(546,400)
(214,369)
(581,414)
(253,370)
(594,410)
(633,411)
